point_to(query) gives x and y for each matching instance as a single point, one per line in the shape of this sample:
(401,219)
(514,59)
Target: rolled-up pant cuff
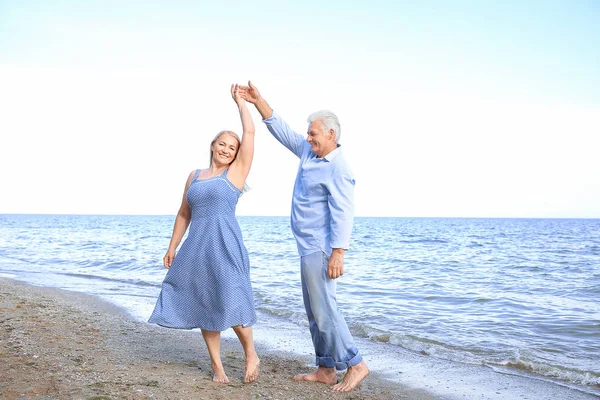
(329,362)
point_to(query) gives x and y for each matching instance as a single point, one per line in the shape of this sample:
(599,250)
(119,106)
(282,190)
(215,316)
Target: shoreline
(58,344)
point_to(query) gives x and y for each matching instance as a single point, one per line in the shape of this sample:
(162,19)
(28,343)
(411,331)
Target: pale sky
(448,108)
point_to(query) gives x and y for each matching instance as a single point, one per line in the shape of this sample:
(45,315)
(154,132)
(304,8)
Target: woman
(208,282)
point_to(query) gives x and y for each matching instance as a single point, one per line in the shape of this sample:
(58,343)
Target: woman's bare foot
(353,377)
(219,374)
(322,374)
(252,369)
(220,378)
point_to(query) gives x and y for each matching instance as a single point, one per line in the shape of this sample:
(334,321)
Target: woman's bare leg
(213,343)
(252,360)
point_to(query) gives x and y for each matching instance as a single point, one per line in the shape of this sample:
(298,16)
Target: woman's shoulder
(193,175)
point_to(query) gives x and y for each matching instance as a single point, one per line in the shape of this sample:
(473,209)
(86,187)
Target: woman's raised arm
(240,167)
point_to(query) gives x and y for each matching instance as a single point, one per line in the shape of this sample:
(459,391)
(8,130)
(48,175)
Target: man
(322,217)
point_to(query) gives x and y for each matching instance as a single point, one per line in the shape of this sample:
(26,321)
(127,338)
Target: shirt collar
(334,153)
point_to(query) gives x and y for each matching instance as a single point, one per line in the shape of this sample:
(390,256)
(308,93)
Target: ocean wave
(298,318)
(423,241)
(417,344)
(475,244)
(166,237)
(560,373)
(475,356)
(133,282)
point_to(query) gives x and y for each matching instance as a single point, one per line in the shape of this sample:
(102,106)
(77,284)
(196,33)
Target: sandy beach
(57,344)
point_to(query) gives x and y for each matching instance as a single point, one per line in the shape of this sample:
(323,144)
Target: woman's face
(224,149)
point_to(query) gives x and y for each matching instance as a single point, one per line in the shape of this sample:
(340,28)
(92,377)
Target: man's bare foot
(322,374)
(353,377)
(252,369)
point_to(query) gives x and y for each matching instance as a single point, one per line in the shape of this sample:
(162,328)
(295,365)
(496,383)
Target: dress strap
(224,172)
(196,174)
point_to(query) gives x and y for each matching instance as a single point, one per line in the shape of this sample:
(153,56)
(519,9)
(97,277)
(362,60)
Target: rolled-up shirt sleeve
(284,134)
(341,207)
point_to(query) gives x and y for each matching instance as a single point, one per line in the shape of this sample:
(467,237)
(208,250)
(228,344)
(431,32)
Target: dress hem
(245,325)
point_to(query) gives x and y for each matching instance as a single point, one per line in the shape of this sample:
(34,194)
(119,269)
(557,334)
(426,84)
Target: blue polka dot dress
(208,284)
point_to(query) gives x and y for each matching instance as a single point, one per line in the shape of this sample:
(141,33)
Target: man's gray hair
(329,121)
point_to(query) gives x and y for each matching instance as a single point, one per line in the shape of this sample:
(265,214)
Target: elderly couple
(208,285)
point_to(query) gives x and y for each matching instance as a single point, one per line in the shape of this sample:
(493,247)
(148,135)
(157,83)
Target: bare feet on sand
(252,369)
(219,374)
(353,377)
(322,374)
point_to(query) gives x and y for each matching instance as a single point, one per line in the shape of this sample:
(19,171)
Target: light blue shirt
(323,199)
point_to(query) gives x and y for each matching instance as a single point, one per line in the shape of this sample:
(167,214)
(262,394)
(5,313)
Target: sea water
(517,295)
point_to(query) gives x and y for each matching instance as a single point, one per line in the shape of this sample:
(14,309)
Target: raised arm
(240,168)
(251,94)
(277,126)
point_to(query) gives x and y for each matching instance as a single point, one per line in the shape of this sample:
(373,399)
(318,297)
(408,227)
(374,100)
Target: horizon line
(288,215)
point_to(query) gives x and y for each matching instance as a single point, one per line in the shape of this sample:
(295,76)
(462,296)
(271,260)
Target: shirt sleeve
(341,208)
(284,134)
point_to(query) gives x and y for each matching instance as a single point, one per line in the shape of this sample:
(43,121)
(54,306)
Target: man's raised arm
(277,126)
(251,94)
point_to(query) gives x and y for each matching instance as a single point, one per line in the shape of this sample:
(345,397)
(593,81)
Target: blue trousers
(334,346)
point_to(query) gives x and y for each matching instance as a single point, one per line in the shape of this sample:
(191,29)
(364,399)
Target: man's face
(321,142)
